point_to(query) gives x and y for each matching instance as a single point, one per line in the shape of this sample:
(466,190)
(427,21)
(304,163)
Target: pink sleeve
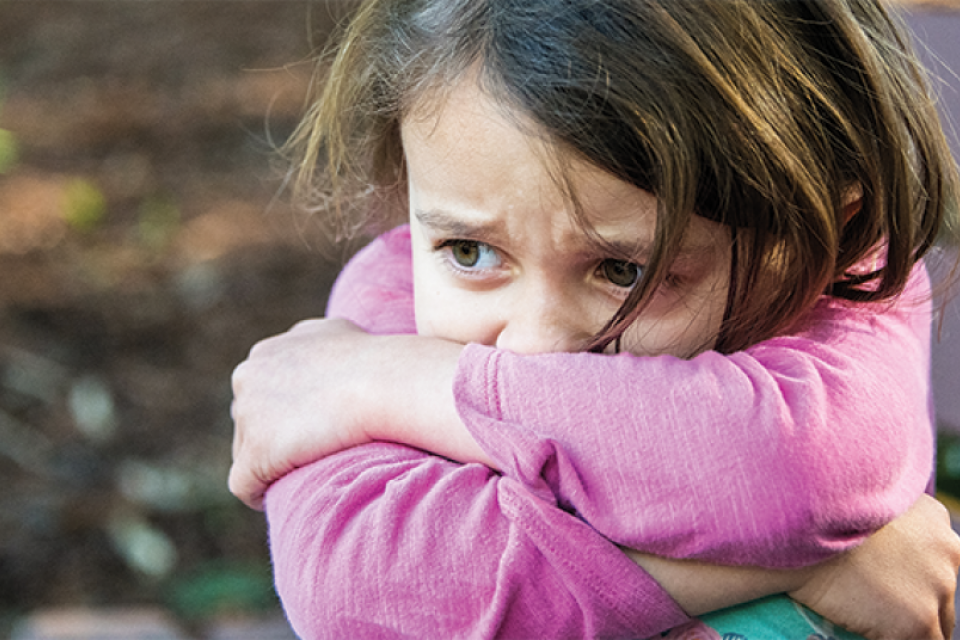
(776,456)
(375,289)
(383,541)
(779,455)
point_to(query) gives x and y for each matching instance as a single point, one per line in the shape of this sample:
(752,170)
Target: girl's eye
(470,254)
(620,272)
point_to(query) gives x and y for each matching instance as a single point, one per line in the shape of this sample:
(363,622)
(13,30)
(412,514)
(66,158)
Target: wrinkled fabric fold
(780,455)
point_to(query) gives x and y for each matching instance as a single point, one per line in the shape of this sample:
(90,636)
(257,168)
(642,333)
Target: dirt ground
(145,245)
(143,249)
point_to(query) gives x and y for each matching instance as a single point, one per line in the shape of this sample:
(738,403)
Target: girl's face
(499,260)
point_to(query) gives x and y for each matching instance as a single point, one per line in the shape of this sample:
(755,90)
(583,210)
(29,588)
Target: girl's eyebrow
(449,224)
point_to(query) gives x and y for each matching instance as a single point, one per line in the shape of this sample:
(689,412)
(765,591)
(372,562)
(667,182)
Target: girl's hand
(325,386)
(297,398)
(897,585)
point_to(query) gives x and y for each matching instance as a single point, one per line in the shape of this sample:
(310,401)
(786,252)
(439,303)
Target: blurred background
(145,245)
(144,248)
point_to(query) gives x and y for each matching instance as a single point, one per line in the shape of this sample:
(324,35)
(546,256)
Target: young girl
(750,157)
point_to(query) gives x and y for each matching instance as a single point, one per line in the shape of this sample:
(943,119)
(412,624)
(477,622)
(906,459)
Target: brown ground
(142,252)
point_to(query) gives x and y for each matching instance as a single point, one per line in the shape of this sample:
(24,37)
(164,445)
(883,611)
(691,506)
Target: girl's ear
(852,201)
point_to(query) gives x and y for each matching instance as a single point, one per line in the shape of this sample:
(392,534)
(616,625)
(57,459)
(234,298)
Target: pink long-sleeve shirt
(780,455)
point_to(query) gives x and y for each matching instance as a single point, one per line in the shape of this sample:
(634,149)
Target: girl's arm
(881,589)
(382,541)
(780,455)
(333,525)
(777,456)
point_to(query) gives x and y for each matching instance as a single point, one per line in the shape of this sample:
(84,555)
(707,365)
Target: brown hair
(764,115)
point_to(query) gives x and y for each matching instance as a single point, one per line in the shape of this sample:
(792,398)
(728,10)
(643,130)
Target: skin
(498,260)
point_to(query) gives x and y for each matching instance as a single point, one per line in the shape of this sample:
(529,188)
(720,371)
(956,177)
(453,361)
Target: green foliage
(84,205)
(948,464)
(9,151)
(157,221)
(222,587)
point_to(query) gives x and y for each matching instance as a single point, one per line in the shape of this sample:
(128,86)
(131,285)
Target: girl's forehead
(465,140)
(463,98)
(465,120)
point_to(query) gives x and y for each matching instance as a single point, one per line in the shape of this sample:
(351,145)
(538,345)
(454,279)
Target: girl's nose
(538,322)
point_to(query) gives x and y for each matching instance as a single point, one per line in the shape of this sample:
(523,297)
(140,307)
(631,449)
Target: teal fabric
(773,618)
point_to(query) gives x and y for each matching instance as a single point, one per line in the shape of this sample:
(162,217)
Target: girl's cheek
(453,315)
